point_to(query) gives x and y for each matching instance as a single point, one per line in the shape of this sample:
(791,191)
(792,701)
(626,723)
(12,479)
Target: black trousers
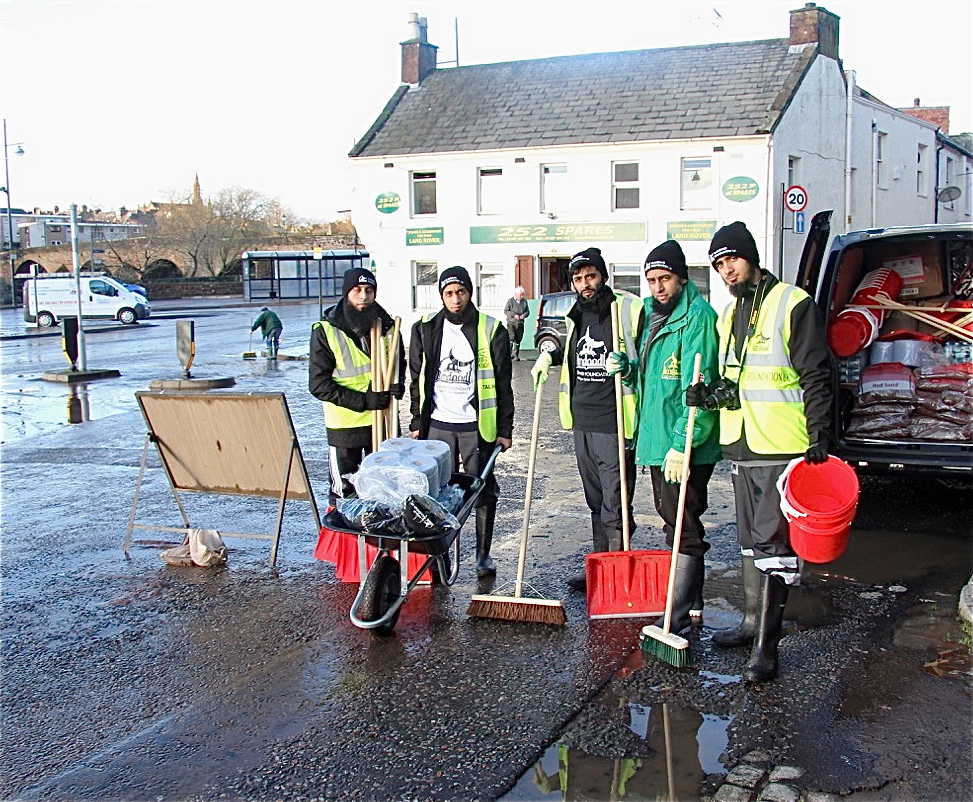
(601,478)
(666,496)
(470,452)
(344,460)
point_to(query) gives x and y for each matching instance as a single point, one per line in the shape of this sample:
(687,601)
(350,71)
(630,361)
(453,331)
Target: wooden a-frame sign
(240,444)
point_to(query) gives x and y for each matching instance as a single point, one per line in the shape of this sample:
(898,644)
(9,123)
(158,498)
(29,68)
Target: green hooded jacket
(664,373)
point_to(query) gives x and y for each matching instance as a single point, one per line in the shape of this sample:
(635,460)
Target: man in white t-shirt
(459,361)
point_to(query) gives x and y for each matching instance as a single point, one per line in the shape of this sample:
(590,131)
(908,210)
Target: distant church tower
(197,193)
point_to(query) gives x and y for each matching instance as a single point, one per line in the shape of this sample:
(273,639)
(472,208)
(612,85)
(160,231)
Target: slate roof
(728,89)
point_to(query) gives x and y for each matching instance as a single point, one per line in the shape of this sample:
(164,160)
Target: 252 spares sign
(559,232)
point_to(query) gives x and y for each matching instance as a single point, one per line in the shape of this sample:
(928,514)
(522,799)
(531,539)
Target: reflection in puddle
(680,746)
(79,410)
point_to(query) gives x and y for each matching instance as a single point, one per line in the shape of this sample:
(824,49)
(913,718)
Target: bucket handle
(790,513)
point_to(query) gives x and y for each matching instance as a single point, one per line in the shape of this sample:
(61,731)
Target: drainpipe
(874,173)
(849,116)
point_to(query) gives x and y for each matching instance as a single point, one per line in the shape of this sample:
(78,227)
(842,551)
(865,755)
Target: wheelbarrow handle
(488,467)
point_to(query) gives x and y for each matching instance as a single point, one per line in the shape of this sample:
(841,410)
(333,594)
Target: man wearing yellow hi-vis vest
(586,401)
(459,362)
(774,394)
(339,374)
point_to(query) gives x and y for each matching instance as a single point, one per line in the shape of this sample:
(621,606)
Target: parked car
(137,288)
(912,356)
(551,326)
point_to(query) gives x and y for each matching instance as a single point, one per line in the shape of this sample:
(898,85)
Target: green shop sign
(388,202)
(559,232)
(691,230)
(424,236)
(740,189)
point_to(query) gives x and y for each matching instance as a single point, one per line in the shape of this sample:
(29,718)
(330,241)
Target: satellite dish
(947,194)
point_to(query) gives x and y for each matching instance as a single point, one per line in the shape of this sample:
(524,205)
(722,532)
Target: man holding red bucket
(774,397)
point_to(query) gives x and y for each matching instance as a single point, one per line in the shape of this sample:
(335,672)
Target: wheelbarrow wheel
(382,587)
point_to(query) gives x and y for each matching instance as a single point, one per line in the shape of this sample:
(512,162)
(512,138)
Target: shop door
(524,274)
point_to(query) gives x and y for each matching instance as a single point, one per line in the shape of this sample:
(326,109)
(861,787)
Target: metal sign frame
(240,444)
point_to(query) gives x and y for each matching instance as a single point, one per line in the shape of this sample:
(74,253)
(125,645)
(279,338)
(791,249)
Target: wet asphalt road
(131,679)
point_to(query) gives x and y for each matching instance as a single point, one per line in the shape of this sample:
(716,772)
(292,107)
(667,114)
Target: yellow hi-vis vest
(353,369)
(629,318)
(486,381)
(771,401)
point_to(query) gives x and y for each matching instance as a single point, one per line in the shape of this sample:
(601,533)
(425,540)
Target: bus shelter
(270,275)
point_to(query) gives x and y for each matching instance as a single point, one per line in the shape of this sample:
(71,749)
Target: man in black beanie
(681,325)
(587,402)
(339,374)
(461,393)
(774,401)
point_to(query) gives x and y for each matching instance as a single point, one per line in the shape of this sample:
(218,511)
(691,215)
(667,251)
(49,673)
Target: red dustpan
(625,584)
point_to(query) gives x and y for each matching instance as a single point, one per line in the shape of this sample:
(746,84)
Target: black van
(551,314)
(914,415)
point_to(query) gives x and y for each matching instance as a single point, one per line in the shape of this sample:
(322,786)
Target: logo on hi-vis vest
(452,371)
(759,344)
(670,368)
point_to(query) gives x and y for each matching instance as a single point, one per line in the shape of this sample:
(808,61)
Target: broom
(378,423)
(518,607)
(660,642)
(250,353)
(391,371)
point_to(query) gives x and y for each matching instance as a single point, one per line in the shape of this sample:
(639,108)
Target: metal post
(10,217)
(76,255)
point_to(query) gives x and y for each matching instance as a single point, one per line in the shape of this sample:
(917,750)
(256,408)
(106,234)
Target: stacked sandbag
(944,408)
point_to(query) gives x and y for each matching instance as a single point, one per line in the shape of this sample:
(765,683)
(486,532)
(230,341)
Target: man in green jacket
(270,328)
(681,324)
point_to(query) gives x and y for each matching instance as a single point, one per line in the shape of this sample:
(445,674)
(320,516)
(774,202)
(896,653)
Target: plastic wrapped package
(371,516)
(880,427)
(924,428)
(426,516)
(451,497)
(390,484)
(887,381)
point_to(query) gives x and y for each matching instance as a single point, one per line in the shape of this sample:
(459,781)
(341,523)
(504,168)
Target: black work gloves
(397,390)
(696,395)
(377,400)
(818,452)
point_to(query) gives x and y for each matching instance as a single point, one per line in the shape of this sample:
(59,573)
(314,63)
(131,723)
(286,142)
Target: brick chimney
(937,115)
(814,25)
(418,56)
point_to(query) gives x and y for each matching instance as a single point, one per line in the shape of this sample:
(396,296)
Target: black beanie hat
(667,256)
(358,275)
(455,275)
(734,238)
(589,256)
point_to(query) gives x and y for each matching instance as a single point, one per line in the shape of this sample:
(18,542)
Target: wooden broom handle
(620,427)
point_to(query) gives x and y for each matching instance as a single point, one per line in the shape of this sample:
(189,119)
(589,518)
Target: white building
(509,169)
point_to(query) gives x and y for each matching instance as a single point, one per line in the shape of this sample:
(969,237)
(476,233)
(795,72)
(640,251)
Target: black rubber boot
(696,609)
(689,576)
(484,540)
(742,634)
(770,619)
(599,543)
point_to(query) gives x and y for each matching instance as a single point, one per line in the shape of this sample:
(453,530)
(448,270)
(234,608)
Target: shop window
(492,293)
(627,277)
(424,193)
(625,185)
(489,190)
(554,188)
(425,286)
(696,184)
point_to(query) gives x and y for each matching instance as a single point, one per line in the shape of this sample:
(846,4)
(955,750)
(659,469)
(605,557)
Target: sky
(121,102)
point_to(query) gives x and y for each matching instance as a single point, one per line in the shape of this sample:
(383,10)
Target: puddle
(678,747)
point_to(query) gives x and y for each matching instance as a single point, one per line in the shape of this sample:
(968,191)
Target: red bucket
(819,502)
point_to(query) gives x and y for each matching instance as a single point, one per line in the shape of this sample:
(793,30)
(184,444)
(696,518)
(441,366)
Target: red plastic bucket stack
(856,327)
(819,502)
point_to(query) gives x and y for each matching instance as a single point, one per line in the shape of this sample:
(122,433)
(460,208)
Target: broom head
(667,646)
(517,608)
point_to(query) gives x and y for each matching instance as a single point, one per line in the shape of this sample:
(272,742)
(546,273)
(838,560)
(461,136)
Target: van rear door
(809,269)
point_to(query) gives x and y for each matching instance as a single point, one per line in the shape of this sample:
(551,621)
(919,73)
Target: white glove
(672,466)
(540,369)
(616,362)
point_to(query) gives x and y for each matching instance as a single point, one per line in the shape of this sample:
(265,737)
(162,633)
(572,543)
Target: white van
(903,395)
(47,299)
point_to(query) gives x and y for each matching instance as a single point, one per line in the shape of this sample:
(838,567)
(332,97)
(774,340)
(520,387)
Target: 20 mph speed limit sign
(795,198)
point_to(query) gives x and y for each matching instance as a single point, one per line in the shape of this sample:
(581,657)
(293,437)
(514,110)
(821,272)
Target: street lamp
(6,189)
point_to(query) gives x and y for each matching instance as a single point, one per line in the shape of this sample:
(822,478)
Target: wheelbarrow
(385,585)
